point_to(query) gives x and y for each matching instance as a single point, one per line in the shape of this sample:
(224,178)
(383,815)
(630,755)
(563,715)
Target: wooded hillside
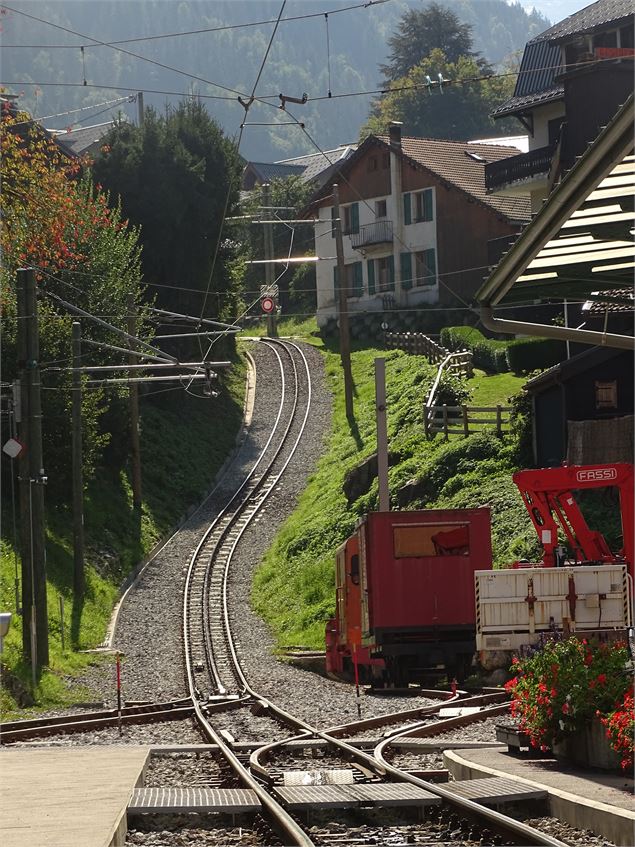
(298,62)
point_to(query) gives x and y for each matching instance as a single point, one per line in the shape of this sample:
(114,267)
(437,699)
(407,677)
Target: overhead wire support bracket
(76,309)
(195,320)
(285,98)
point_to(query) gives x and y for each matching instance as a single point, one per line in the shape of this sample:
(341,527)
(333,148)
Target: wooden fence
(420,345)
(464,420)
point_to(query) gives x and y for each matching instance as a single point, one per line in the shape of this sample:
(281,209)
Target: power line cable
(246,106)
(110,103)
(126,52)
(203,31)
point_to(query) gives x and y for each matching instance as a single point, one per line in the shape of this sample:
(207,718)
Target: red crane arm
(548,497)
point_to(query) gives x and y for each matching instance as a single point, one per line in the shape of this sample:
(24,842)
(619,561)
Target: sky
(556,10)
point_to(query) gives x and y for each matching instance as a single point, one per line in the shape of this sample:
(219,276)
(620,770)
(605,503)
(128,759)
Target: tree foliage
(457,110)
(175,176)
(420,31)
(297,282)
(82,252)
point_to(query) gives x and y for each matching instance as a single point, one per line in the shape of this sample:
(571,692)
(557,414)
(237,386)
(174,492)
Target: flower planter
(589,747)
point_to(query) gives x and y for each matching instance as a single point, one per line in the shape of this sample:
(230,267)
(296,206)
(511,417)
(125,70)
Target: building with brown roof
(416,221)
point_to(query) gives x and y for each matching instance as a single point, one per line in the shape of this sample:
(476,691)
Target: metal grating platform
(495,790)
(351,796)
(231,800)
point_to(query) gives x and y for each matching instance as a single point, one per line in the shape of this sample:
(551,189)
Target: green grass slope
(294,587)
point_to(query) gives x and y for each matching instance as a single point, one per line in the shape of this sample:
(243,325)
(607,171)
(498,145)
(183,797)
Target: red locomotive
(405,594)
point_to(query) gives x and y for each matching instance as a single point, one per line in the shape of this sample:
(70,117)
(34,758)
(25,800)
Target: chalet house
(573,79)
(583,409)
(416,221)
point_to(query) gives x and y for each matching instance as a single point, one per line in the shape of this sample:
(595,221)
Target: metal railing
(514,168)
(379,232)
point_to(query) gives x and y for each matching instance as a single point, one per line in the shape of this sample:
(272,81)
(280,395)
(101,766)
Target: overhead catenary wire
(246,105)
(204,31)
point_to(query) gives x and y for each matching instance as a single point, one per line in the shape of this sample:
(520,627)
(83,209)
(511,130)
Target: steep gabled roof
(595,16)
(579,242)
(318,164)
(536,83)
(77,141)
(266,171)
(456,163)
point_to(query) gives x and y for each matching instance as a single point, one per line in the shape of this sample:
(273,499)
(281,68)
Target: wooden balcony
(525,167)
(379,232)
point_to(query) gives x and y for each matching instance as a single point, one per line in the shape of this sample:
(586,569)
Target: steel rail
(197,552)
(241,513)
(473,810)
(496,820)
(12,731)
(290,831)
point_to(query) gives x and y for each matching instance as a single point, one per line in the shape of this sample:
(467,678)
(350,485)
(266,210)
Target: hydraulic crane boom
(548,497)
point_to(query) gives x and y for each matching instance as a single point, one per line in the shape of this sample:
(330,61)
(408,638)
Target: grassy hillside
(184,442)
(293,589)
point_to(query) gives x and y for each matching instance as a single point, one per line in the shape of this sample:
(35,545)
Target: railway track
(212,663)
(219,687)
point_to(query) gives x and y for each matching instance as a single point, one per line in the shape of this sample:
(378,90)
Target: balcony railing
(379,232)
(515,168)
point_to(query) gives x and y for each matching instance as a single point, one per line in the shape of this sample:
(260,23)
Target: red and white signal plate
(267,304)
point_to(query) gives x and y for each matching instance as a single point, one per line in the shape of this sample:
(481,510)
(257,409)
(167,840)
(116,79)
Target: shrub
(562,686)
(619,730)
(453,390)
(489,354)
(528,354)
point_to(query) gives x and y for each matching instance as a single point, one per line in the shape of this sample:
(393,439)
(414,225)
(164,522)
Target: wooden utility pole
(140,114)
(345,342)
(32,479)
(79,583)
(382,435)
(133,406)
(272,329)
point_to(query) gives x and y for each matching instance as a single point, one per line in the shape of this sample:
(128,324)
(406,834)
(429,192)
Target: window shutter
(430,258)
(336,285)
(371,276)
(407,209)
(354,218)
(358,280)
(427,204)
(406,270)
(391,273)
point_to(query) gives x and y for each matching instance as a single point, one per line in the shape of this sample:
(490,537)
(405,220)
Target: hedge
(488,354)
(529,354)
(520,355)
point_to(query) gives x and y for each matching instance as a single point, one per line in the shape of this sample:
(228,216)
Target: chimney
(394,133)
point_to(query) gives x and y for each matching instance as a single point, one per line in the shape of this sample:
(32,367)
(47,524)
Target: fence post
(466,425)
(445,421)
(499,422)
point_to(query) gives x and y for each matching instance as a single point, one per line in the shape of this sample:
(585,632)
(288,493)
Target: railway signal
(268,305)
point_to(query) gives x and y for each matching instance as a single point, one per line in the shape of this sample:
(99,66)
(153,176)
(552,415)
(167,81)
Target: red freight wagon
(417,581)
(407,578)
